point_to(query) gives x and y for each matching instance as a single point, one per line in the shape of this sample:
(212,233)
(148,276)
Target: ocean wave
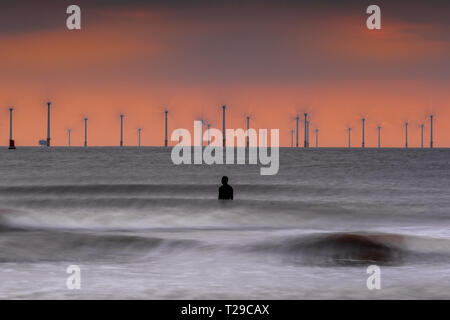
(131,203)
(142,213)
(314,249)
(47,246)
(189,189)
(352,249)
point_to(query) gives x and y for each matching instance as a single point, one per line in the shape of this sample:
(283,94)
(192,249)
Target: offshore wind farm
(165,143)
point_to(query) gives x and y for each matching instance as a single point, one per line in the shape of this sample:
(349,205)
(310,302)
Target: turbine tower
(406,135)
(349,137)
(363,134)
(224,107)
(11,141)
(306,125)
(421,135)
(85,132)
(431,131)
(307,133)
(248,132)
(165,130)
(121,130)
(68,133)
(379,136)
(297,119)
(48,123)
(209,133)
(139,137)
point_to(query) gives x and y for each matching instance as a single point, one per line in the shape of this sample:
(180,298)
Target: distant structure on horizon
(200,142)
(306,133)
(379,136)
(121,130)
(12,145)
(47,142)
(224,107)
(363,145)
(248,132)
(48,123)
(209,133)
(165,130)
(85,132)
(139,137)
(406,135)
(431,131)
(349,137)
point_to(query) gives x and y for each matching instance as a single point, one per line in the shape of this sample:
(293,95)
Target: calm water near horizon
(140,227)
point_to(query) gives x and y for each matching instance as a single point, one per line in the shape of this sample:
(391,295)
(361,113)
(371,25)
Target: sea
(139,227)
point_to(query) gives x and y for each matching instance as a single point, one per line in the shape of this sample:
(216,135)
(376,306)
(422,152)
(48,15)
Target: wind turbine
(121,129)
(295,115)
(306,128)
(85,132)
(48,123)
(249,115)
(363,145)
(307,134)
(166,113)
(164,110)
(139,137)
(203,123)
(379,136)
(349,137)
(208,128)
(248,131)
(431,131)
(224,108)
(11,140)
(406,134)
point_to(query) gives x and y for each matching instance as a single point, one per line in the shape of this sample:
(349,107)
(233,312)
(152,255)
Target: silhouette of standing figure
(225,190)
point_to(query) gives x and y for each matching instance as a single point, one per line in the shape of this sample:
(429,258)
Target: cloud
(135,56)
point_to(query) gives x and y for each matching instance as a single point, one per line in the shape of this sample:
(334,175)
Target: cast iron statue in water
(225,190)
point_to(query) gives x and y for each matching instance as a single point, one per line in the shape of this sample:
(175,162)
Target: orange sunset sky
(271,60)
